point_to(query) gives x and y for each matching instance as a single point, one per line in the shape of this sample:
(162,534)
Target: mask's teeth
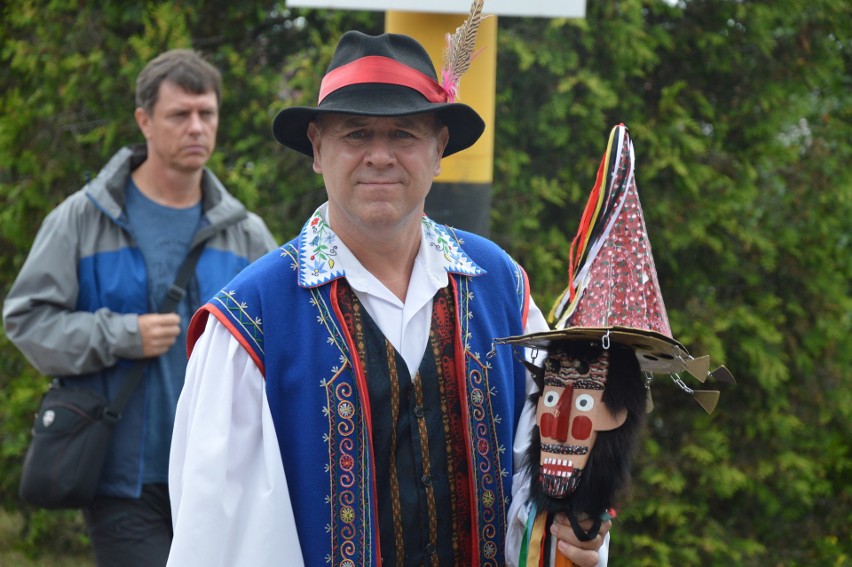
(558,476)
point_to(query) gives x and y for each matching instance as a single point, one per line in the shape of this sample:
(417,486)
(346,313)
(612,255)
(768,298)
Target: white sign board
(532,8)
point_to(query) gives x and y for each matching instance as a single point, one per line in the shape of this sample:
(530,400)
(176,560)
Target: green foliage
(60,543)
(740,113)
(740,117)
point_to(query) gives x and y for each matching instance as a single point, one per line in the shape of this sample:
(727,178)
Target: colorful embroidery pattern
(486,450)
(443,338)
(250,327)
(349,475)
(488,468)
(348,467)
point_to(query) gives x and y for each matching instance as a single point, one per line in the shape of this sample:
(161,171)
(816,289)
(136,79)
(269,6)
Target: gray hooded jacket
(74,307)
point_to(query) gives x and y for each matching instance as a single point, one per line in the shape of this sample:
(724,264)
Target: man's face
(181,129)
(569,414)
(377,170)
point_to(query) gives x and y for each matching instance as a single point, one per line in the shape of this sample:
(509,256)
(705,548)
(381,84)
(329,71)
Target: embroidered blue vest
(283,310)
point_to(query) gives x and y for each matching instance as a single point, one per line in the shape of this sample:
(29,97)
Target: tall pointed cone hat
(613,293)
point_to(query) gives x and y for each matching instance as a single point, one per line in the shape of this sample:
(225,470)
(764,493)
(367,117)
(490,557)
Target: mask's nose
(555,425)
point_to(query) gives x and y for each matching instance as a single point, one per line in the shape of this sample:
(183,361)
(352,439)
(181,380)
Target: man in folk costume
(340,407)
(611,334)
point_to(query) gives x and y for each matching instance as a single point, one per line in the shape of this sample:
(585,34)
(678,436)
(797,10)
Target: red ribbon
(378,69)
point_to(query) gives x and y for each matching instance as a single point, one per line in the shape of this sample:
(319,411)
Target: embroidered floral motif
(488,498)
(483,447)
(318,252)
(345,410)
(318,267)
(319,248)
(490,550)
(446,244)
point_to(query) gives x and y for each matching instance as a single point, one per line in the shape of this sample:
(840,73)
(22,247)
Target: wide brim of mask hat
(465,126)
(655,352)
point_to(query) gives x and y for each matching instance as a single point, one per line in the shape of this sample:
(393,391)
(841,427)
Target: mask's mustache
(557,449)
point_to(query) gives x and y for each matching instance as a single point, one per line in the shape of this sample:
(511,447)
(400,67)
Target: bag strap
(174,295)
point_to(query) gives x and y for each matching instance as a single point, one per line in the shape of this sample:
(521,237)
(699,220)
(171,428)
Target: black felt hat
(384,75)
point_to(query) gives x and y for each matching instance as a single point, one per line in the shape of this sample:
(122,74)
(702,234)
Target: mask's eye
(551,398)
(584,402)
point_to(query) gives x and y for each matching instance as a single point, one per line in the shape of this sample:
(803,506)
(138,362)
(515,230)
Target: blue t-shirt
(163,235)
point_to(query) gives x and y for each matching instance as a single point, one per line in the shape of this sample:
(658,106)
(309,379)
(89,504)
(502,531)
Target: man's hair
(183,67)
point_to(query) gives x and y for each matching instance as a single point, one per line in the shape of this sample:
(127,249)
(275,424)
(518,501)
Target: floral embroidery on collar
(318,252)
(453,258)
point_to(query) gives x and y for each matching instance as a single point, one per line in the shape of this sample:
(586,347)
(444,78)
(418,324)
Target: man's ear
(143,121)
(443,138)
(606,421)
(314,137)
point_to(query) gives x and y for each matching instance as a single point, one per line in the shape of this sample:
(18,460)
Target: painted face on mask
(569,414)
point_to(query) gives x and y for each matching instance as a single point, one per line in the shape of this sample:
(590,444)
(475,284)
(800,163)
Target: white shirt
(229,495)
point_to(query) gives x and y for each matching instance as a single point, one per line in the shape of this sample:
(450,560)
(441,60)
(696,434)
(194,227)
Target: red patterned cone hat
(613,279)
(613,293)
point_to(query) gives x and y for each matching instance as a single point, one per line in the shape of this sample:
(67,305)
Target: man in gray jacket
(83,306)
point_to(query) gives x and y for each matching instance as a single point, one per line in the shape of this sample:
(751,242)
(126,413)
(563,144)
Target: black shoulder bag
(72,429)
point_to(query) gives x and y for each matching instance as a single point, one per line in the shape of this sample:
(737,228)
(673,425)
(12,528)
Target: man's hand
(581,553)
(159,332)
